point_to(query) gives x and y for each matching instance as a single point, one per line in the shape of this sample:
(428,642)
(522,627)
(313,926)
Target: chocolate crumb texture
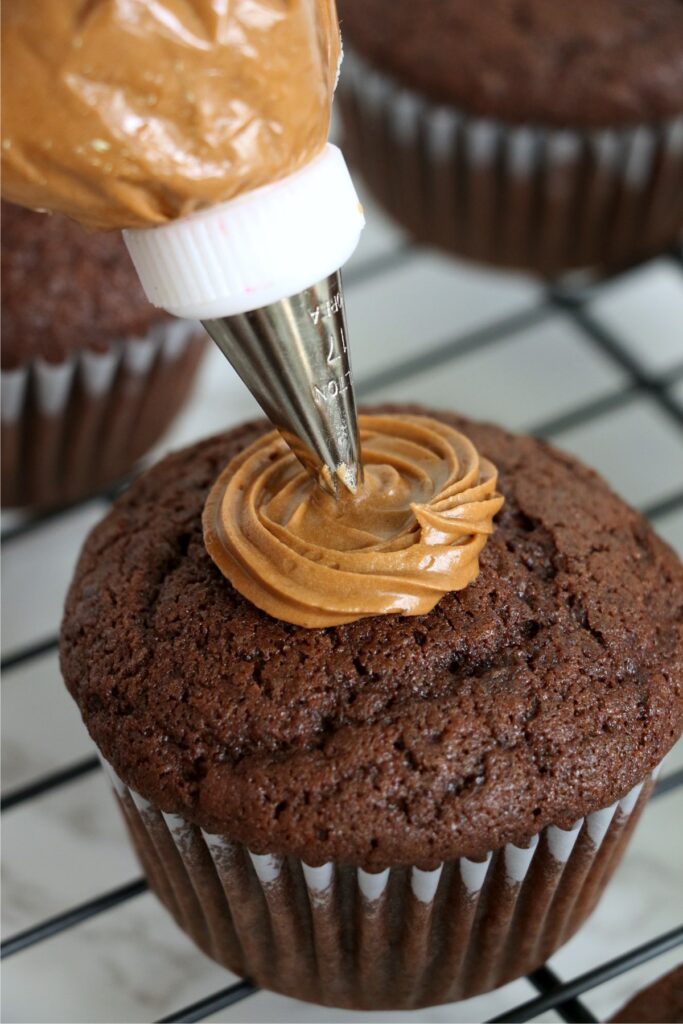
(609,63)
(65,289)
(545,690)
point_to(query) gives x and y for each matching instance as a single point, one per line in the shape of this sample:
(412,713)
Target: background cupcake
(660,1002)
(520,132)
(400,810)
(92,374)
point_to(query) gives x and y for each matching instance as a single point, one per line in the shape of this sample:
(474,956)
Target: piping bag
(199,128)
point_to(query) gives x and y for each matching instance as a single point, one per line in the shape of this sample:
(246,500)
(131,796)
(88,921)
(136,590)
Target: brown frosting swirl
(413,533)
(130,113)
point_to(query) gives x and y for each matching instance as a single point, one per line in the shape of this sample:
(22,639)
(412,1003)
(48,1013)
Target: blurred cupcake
(659,1003)
(526,133)
(92,374)
(379,810)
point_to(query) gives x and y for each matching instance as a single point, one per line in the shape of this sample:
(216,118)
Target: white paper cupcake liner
(524,195)
(71,428)
(397,939)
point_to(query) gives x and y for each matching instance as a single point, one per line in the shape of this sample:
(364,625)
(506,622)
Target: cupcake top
(64,289)
(546,689)
(600,63)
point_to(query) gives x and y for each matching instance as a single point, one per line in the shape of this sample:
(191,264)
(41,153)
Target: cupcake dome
(521,132)
(540,695)
(482,715)
(611,62)
(92,374)
(65,289)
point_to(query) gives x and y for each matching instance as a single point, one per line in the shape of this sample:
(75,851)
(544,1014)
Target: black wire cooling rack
(560,996)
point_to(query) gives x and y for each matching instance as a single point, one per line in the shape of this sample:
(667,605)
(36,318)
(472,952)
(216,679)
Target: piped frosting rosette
(412,534)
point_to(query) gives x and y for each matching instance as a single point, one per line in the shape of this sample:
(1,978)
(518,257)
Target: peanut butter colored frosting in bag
(131,113)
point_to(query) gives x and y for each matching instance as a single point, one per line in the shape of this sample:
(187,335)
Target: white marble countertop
(424,328)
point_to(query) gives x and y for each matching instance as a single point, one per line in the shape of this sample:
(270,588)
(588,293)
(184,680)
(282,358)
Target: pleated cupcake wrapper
(71,428)
(396,939)
(523,195)
(54,382)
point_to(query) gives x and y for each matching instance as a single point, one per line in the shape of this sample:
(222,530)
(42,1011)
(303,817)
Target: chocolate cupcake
(403,809)
(659,1003)
(524,133)
(92,374)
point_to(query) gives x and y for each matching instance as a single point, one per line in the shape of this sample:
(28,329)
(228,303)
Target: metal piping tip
(293,356)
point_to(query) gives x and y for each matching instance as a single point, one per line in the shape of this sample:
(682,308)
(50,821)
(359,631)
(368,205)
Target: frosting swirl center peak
(411,534)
